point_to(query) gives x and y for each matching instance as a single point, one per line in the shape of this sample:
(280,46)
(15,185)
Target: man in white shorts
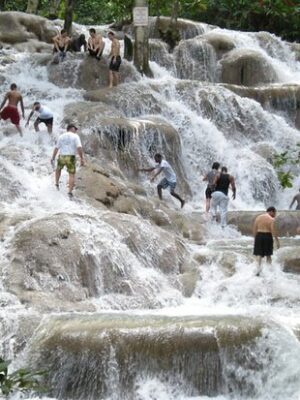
(45,116)
(68,145)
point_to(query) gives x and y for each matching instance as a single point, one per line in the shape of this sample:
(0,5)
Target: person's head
(82,38)
(92,32)
(216,166)
(37,105)
(272,211)
(13,86)
(158,158)
(63,33)
(72,128)
(224,170)
(111,35)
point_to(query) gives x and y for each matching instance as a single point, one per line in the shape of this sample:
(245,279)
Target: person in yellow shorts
(68,145)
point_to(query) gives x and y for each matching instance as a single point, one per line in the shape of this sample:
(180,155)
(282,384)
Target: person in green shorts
(68,145)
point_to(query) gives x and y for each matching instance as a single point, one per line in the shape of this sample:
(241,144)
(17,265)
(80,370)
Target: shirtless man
(210,177)
(264,232)
(115,60)
(296,199)
(61,44)
(11,112)
(95,44)
(45,116)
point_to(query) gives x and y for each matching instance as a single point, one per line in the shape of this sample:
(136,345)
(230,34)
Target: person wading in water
(210,177)
(11,112)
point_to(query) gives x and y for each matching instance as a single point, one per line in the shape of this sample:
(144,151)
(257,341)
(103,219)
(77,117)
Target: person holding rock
(95,44)
(169,180)
(61,44)
(45,116)
(115,60)
(13,97)
(296,199)
(210,177)
(68,145)
(264,232)
(220,199)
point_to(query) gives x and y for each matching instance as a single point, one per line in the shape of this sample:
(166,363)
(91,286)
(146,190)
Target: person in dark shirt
(77,44)
(220,198)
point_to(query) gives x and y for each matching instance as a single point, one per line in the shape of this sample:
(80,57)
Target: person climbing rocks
(78,43)
(220,199)
(115,60)
(169,180)
(95,44)
(61,44)
(13,97)
(68,145)
(296,199)
(210,177)
(45,116)
(264,232)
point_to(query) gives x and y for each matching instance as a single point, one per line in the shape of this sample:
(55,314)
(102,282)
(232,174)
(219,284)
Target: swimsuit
(12,113)
(115,64)
(263,244)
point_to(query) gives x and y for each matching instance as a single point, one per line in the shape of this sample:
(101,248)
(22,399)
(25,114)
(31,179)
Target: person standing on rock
(296,199)
(264,232)
(61,44)
(210,177)
(13,97)
(95,44)
(68,145)
(220,199)
(169,180)
(45,116)
(115,60)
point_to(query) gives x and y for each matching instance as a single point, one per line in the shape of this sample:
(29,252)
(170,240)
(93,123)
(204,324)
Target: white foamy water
(273,298)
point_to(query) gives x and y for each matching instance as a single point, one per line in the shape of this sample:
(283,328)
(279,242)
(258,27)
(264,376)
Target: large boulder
(247,68)
(289,257)
(17,27)
(287,222)
(221,43)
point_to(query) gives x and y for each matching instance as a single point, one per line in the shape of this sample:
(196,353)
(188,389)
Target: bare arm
(274,234)
(80,153)
(55,41)
(4,101)
(146,169)
(204,178)
(29,116)
(232,183)
(292,203)
(55,151)
(156,173)
(22,106)
(255,228)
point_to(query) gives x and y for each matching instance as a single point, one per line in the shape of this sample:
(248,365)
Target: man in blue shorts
(168,181)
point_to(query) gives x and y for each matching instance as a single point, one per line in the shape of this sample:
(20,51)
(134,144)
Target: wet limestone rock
(221,43)
(246,68)
(289,257)
(18,27)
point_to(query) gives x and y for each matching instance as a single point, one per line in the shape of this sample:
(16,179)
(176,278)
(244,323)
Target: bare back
(264,223)
(13,97)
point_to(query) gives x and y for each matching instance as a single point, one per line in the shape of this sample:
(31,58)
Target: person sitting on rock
(61,44)
(11,112)
(45,116)
(78,43)
(95,44)
(296,199)
(169,180)
(115,61)
(68,144)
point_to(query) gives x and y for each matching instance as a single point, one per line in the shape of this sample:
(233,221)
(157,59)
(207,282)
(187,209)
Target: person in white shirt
(68,145)
(45,116)
(168,181)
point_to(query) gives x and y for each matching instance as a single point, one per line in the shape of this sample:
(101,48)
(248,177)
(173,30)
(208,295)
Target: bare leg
(269,259)
(178,198)
(57,176)
(49,128)
(116,78)
(207,205)
(258,260)
(110,79)
(159,191)
(36,126)
(19,130)
(71,182)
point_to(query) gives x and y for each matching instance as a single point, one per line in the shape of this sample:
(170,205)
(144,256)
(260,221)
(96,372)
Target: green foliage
(22,379)
(283,163)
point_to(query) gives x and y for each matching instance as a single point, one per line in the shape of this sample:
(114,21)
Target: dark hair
(13,86)
(158,156)
(271,209)
(92,30)
(215,165)
(36,103)
(63,31)
(70,126)
(111,33)
(224,169)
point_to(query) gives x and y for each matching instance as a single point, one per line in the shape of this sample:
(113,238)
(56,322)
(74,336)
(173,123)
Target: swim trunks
(263,244)
(48,121)
(67,161)
(93,53)
(115,64)
(164,184)
(208,192)
(12,113)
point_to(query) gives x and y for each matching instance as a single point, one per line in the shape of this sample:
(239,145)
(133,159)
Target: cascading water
(135,333)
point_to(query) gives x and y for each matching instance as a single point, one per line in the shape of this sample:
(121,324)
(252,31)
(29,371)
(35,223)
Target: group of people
(94,46)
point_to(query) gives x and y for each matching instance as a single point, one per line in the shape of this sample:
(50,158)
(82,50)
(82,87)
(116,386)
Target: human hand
(233,196)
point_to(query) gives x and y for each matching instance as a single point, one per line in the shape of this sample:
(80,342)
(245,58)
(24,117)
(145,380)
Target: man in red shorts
(11,112)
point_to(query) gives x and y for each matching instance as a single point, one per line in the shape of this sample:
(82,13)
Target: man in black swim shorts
(115,60)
